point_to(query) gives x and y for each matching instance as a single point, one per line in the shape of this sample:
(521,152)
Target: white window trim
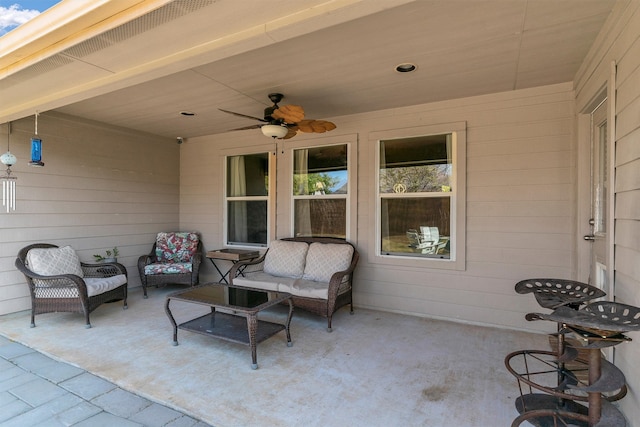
(350,141)
(271,197)
(457,260)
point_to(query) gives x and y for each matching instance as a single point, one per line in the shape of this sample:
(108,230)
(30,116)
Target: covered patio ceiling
(139,64)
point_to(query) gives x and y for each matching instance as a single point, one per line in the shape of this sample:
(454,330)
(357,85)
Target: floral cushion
(176,247)
(168,268)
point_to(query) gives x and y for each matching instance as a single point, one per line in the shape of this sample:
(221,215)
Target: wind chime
(8,181)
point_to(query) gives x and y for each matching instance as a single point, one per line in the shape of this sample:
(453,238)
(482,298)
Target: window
(247,199)
(420,197)
(320,191)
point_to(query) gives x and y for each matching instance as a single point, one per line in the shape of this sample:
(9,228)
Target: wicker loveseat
(317,271)
(59,282)
(174,258)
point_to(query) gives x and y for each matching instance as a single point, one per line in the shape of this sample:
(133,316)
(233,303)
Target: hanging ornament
(36,148)
(8,181)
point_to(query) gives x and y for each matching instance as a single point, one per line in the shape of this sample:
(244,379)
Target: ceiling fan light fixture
(274,131)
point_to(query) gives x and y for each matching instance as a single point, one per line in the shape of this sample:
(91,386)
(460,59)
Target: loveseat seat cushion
(308,289)
(286,259)
(176,246)
(54,261)
(265,281)
(168,268)
(324,259)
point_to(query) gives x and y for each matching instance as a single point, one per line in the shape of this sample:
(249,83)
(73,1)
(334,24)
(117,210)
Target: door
(600,202)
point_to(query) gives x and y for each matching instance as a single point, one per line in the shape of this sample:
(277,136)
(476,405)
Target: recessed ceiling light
(187,113)
(406,67)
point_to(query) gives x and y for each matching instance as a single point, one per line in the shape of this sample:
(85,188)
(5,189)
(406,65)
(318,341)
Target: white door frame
(583,186)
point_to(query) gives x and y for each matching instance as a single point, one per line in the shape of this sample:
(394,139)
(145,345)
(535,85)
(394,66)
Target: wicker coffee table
(229,324)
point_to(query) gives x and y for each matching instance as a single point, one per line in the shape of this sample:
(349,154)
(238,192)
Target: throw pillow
(285,258)
(324,259)
(54,261)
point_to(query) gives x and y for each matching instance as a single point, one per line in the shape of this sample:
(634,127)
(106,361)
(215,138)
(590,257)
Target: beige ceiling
(332,57)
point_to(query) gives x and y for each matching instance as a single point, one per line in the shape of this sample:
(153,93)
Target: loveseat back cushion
(285,258)
(176,246)
(168,268)
(324,259)
(54,261)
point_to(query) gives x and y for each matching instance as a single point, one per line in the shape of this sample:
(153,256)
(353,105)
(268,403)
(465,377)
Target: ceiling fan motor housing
(275,98)
(268,114)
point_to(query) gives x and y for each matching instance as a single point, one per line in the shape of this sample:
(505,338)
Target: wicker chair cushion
(168,268)
(176,247)
(54,261)
(95,286)
(324,259)
(285,258)
(100,285)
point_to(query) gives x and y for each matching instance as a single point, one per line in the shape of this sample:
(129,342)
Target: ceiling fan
(284,122)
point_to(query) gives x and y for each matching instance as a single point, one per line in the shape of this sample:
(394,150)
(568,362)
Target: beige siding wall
(100,187)
(520,203)
(620,43)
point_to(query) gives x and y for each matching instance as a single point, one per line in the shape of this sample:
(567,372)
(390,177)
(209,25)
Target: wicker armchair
(95,284)
(175,258)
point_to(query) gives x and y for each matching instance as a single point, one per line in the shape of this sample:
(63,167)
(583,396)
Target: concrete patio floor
(374,369)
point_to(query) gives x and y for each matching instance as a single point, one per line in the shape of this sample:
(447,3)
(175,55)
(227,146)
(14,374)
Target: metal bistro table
(229,324)
(233,255)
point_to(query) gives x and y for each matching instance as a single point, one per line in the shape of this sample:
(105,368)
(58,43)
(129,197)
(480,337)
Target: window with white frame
(417,195)
(320,191)
(247,199)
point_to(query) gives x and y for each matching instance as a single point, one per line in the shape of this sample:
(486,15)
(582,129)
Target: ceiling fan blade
(316,126)
(247,127)
(292,131)
(242,115)
(289,113)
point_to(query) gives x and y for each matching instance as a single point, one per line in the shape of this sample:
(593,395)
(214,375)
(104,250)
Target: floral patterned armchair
(174,258)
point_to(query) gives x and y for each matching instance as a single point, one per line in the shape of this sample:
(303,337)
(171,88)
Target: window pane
(320,217)
(248,175)
(415,165)
(247,222)
(416,226)
(600,181)
(320,170)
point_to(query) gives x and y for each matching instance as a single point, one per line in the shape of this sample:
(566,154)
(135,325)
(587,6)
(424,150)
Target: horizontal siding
(627,148)
(627,176)
(620,43)
(520,204)
(101,187)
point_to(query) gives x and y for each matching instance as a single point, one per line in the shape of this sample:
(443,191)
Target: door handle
(590,237)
